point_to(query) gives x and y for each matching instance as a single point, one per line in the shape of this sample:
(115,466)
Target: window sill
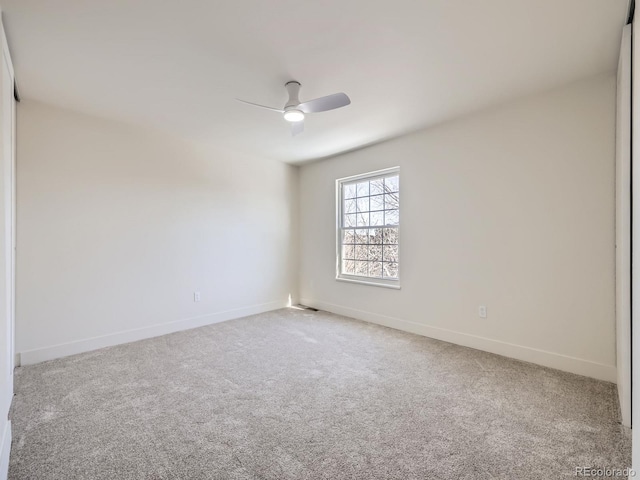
(384,284)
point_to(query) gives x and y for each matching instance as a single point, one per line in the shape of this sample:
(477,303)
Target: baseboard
(5,451)
(38,355)
(541,357)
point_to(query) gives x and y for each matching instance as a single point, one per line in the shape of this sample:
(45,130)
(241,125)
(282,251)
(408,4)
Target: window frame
(344,277)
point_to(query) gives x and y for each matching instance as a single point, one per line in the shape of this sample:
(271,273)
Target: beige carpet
(299,395)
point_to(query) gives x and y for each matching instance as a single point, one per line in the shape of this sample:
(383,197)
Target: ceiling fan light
(293,115)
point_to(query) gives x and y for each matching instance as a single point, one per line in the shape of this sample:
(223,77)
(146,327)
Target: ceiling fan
(294,110)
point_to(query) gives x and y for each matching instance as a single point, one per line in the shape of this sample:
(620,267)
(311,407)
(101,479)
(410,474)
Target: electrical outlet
(482,311)
(196,296)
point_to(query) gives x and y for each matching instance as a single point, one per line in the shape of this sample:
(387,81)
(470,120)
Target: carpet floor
(294,394)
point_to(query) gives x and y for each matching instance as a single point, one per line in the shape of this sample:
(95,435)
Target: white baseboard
(541,357)
(5,451)
(38,355)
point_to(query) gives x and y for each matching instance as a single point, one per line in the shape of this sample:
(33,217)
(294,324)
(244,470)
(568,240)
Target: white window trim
(377,282)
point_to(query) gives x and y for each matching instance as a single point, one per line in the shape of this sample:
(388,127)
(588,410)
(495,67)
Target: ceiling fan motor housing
(291,111)
(293,89)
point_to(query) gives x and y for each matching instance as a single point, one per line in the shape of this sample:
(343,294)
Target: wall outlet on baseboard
(482,311)
(196,296)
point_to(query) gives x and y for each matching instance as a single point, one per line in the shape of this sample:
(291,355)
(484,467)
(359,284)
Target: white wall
(512,208)
(118,226)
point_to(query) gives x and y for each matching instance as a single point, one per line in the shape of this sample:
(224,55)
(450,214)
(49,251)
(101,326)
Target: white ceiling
(406,64)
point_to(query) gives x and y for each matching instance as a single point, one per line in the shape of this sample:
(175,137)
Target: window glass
(369,209)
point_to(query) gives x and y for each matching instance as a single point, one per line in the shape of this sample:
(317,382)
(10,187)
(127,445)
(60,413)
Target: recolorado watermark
(604,472)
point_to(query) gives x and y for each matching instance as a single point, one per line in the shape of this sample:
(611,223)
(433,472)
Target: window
(369,227)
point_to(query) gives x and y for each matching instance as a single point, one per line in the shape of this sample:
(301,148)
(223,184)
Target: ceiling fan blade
(323,104)
(261,106)
(297,128)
